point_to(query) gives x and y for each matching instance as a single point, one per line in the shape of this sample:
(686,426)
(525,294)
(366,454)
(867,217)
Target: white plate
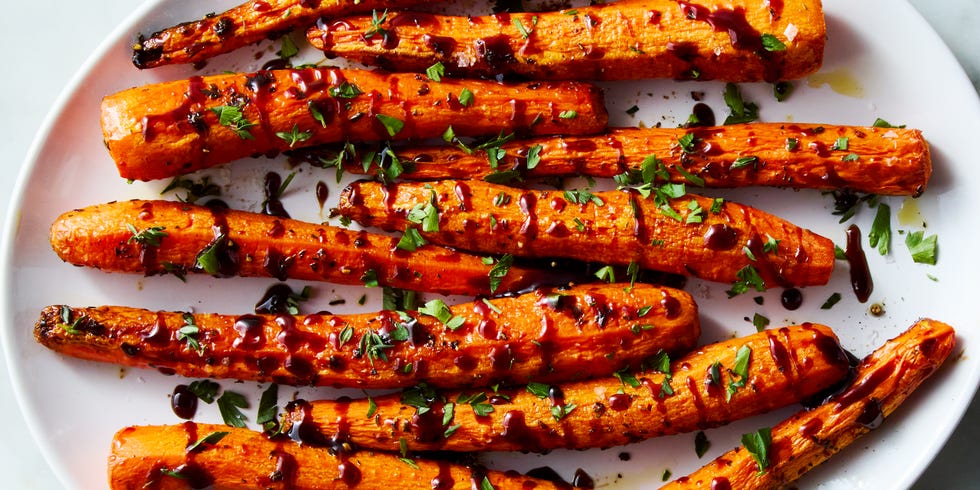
(883,47)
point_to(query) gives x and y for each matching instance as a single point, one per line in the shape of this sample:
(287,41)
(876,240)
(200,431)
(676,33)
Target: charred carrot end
(692,235)
(741,41)
(717,384)
(882,382)
(202,455)
(547,335)
(884,161)
(162,237)
(171,128)
(250,22)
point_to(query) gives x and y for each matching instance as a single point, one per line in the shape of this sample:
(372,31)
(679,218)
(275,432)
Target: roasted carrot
(889,161)
(739,41)
(171,237)
(250,22)
(226,458)
(686,235)
(717,384)
(170,128)
(546,335)
(882,382)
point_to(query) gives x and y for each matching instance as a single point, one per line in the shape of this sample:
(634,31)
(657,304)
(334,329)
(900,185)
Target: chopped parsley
(436,71)
(701,444)
(757,444)
(231,117)
(295,135)
(772,43)
(748,277)
(411,240)
(287,48)
(465,97)
(268,408)
(534,156)
(345,90)
(437,308)
(831,301)
(391,124)
(880,235)
(742,162)
(741,111)
(923,249)
(376,22)
(229,405)
(606,273)
(426,215)
(499,271)
(204,389)
(740,371)
(760,322)
(189,334)
(208,440)
(149,237)
(568,114)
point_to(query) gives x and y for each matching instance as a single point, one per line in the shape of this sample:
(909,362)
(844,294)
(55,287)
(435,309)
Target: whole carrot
(170,128)
(714,385)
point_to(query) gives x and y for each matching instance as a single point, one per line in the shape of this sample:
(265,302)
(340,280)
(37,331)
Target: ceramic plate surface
(882,60)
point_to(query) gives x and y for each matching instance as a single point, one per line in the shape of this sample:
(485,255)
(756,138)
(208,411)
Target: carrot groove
(785,366)
(614,41)
(257,245)
(610,227)
(171,128)
(882,382)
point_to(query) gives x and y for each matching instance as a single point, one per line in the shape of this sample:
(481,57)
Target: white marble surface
(45,44)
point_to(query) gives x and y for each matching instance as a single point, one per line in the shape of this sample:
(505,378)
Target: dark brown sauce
(871,415)
(582,479)
(443,46)
(251,332)
(861,282)
(529,228)
(671,306)
(183,402)
(778,351)
(444,479)
(720,483)
(516,431)
(811,427)
(159,334)
(864,387)
(272,205)
(720,237)
(791,299)
(322,193)
(185,113)
(275,300)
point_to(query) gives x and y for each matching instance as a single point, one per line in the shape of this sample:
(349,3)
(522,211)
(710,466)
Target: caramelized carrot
(882,382)
(547,335)
(226,458)
(248,23)
(687,235)
(738,41)
(889,161)
(224,242)
(717,384)
(171,128)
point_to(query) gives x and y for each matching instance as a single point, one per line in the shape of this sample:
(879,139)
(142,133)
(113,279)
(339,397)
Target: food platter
(74,407)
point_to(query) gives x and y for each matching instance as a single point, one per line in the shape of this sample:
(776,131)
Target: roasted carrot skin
(225,242)
(692,40)
(784,366)
(884,161)
(883,380)
(546,335)
(613,227)
(167,458)
(250,22)
(170,128)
